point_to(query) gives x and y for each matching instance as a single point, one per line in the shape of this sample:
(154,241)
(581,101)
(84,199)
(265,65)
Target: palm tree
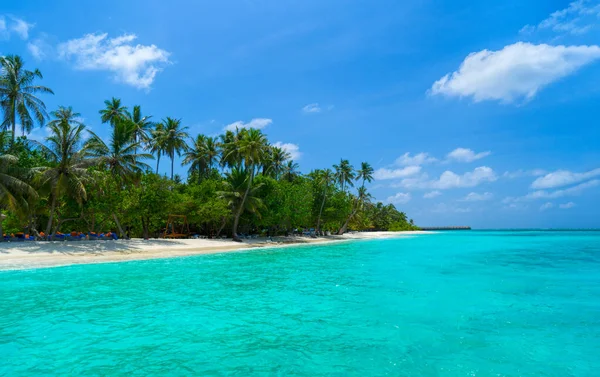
(251,144)
(15,193)
(17,95)
(238,195)
(156,143)
(277,159)
(142,125)
(325,178)
(202,155)
(291,170)
(344,174)
(362,198)
(67,154)
(365,173)
(174,139)
(228,145)
(113,111)
(120,155)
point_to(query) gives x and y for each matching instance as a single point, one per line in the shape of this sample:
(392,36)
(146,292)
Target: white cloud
(292,149)
(135,65)
(20,27)
(432,194)
(541,194)
(384,173)
(399,198)
(258,123)
(546,206)
(523,173)
(517,71)
(418,159)
(578,18)
(561,178)
(312,108)
(475,197)
(449,180)
(466,155)
(566,205)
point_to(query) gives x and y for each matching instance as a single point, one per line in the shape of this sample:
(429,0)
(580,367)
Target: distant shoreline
(31,255)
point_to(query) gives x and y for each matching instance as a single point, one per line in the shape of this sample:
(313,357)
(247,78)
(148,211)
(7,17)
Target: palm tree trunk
(320,212)
(157,162)
(122,234)
(241,209)
(172,164)
(49,226)
(344,227)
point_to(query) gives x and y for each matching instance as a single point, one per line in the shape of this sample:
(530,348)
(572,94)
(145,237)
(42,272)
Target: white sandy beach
(25,255)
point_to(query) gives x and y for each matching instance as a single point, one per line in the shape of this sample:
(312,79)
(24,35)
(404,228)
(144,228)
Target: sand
(27,255)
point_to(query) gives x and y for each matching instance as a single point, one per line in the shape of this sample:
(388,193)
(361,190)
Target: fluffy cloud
(384,173)
(566,205)
(449,180)
(312,108)
(475,197)
(20,27)
(561,178)
(292,149)
(399,198)
(578,18)
(418,159)
(466,155)
(258,123)
(432,194)
(541,194)
(135,65)
(517,71)
(523,173)
(546,206)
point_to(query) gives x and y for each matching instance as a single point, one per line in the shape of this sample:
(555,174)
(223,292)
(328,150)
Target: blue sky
(477,113)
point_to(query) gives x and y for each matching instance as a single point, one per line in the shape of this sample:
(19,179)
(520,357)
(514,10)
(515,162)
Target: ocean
(471,303)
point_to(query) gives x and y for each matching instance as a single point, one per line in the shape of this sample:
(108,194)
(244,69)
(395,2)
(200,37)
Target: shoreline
(33,255)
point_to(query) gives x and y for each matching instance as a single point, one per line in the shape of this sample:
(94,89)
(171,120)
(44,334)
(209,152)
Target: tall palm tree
(251,146)
(174,139)
(156,143)
(67,154)
(365,173)
(277,159)
(119,155)
(344,174)
(17,95)
(202,155)
(113,112)
(325,178)
(141,124)
(290,170)
(228,145)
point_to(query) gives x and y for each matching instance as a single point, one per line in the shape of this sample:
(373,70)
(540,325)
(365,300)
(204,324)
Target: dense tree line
(237,183)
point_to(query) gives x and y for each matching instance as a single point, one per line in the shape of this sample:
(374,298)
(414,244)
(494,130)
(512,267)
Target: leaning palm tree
(17,95)
(67,154)
(174,139)
(202,155)
(15,192)
(365,173)
(325,178)
(113,112)
(358,203)
(251,146)
(239,196)
(344,173)
(142,125)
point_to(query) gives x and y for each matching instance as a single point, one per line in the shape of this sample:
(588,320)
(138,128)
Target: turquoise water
(450,304)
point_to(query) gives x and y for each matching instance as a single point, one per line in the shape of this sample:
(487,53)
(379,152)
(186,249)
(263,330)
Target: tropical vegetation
(237,183)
